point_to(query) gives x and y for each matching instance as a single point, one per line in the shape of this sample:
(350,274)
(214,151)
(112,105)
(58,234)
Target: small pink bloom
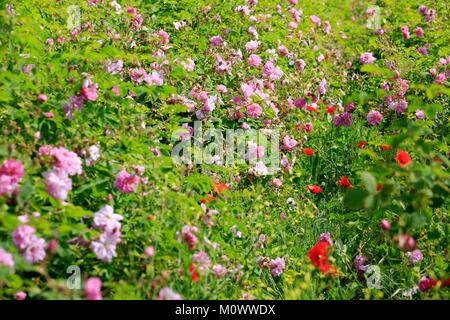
(419,32)
(21,295)
(57,184)
(93,289)
(126,182)
(115,90)
(385,225)
(215,41)
(149,251)
(42,97)
(254,60)
(253,110)
(315,20)
(366,58)
(89,93)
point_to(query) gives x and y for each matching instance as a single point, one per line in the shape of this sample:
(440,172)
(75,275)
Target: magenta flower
(360,263)
(419,114)
(419,32)
(93,289)
(326,236)
(289,143)
(385,225)
(271,72)
(374,117)
(422,10)
(126,182)
(20,295)
(89,93)
(366,58)
(215,41)
(414,256)
(277,266)
(254,60)
(253,110)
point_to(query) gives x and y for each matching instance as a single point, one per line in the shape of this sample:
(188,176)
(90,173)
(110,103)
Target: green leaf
(76,212)
(355,198)
(369,182)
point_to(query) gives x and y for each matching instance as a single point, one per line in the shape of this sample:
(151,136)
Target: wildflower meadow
(224,150)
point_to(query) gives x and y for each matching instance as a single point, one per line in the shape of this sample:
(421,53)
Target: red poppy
(445,283)
(402,158)
(308,151)
(361,144)
(318,256)
(194,277)
(385,147)
(344,182)
(379,186)
(193,273)
(150,217)
(209,197)
(330,109)
(219,187)
(311,108)
(314,189)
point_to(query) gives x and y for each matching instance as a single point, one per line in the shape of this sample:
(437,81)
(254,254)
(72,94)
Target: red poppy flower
(308,151)
(318,256)
(311,108)
(344,182)
(330,109)
(384,148)
(208,198)
(314,189)
(445,283)
(193,273)
(361,144)
(402,158)
(219,187)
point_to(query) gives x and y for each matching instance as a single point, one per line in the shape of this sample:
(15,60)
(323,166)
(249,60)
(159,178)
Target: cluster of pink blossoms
(11,172)
(30,246)
(207,102)
(66,163)
(88,92)
(168,294)
(289,143)
(271,72)
(277,266)
(126,182)
(139,75)
(108,223)
(187,235)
